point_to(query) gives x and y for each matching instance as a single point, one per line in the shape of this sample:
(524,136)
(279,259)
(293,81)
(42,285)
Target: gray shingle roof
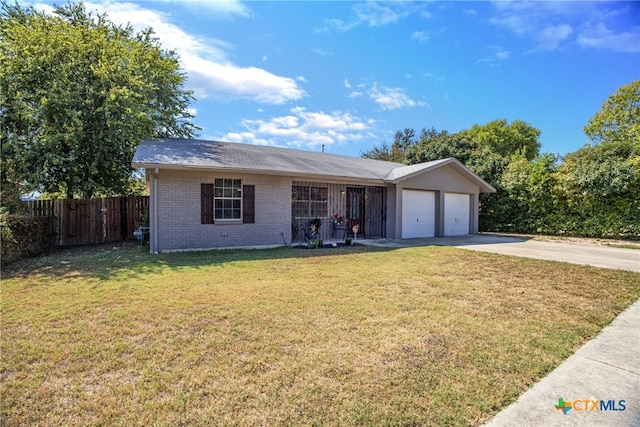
(216,155)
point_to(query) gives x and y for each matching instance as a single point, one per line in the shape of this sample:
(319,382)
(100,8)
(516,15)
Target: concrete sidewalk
(607,369)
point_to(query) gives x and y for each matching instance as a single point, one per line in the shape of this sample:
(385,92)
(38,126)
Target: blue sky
(350,74)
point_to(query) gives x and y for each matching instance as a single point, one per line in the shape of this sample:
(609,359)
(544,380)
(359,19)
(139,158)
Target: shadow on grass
(132,260)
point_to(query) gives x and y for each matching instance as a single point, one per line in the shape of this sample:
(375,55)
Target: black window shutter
(249,204)
(206,204)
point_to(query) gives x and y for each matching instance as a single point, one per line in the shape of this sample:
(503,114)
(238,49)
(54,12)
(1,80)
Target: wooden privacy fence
(92,221)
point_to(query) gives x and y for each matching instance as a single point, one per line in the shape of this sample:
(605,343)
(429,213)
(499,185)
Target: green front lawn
(429,335)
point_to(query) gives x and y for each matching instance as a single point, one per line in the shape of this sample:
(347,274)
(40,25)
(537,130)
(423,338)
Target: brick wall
(179,213)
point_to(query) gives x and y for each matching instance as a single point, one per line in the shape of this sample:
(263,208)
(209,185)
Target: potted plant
(315,226)
(313,237)
(337,219)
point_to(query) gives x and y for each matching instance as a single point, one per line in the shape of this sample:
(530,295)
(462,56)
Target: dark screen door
(355,209)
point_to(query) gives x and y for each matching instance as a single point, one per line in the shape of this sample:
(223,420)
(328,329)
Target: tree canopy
(485,149)
(397,152)
(594,191)
(505,139)
(77,95)
(618,120)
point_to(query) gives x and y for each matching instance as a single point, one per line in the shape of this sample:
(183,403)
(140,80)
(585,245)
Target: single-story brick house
(209,194)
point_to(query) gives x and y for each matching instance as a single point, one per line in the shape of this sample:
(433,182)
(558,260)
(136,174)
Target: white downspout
(154,219)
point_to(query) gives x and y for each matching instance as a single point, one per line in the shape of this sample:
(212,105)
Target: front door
(355,210)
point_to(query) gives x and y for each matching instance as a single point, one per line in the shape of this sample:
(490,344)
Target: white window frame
(227,190)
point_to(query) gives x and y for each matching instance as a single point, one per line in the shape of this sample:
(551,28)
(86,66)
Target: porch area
(334,212)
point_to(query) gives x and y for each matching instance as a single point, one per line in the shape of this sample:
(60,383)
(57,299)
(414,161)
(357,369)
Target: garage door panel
(456,214)
(418,214)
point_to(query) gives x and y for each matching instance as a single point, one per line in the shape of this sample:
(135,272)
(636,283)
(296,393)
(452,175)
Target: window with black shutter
(227,199)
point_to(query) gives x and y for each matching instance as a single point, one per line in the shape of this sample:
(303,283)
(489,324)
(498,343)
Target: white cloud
(229,7)
(497,56)
(421,36)
(433,76)
(347,84)
(378,14)
(322,52)
(551,37)
(205,60)
(502,54)
(554,25)
(375,14)
(221,8)
(519,24)
(601,37)
(533,24)
(303,129)
(392,98)
(232,82)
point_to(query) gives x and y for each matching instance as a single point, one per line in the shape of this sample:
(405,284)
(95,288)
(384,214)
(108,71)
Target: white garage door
(456,214)
(418,214)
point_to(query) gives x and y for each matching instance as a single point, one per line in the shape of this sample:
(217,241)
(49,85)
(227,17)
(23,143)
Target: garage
(418,214)
(456,214)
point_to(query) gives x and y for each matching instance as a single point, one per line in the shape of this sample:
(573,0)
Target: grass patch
(428,335)
(624,245)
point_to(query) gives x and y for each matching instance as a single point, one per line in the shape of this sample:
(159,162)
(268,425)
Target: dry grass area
(349,336)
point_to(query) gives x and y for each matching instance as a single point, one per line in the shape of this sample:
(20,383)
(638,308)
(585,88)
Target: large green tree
(506,139)
(487,150)
(77,95)
(530,195)
(600,182)
(618,120)
(595,191)
(402,141)
(434,145)
(600,187)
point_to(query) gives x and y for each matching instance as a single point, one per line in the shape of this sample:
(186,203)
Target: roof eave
(306,176)
(484,186)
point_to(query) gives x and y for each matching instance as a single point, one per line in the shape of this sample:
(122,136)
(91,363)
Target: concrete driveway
(581,251)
